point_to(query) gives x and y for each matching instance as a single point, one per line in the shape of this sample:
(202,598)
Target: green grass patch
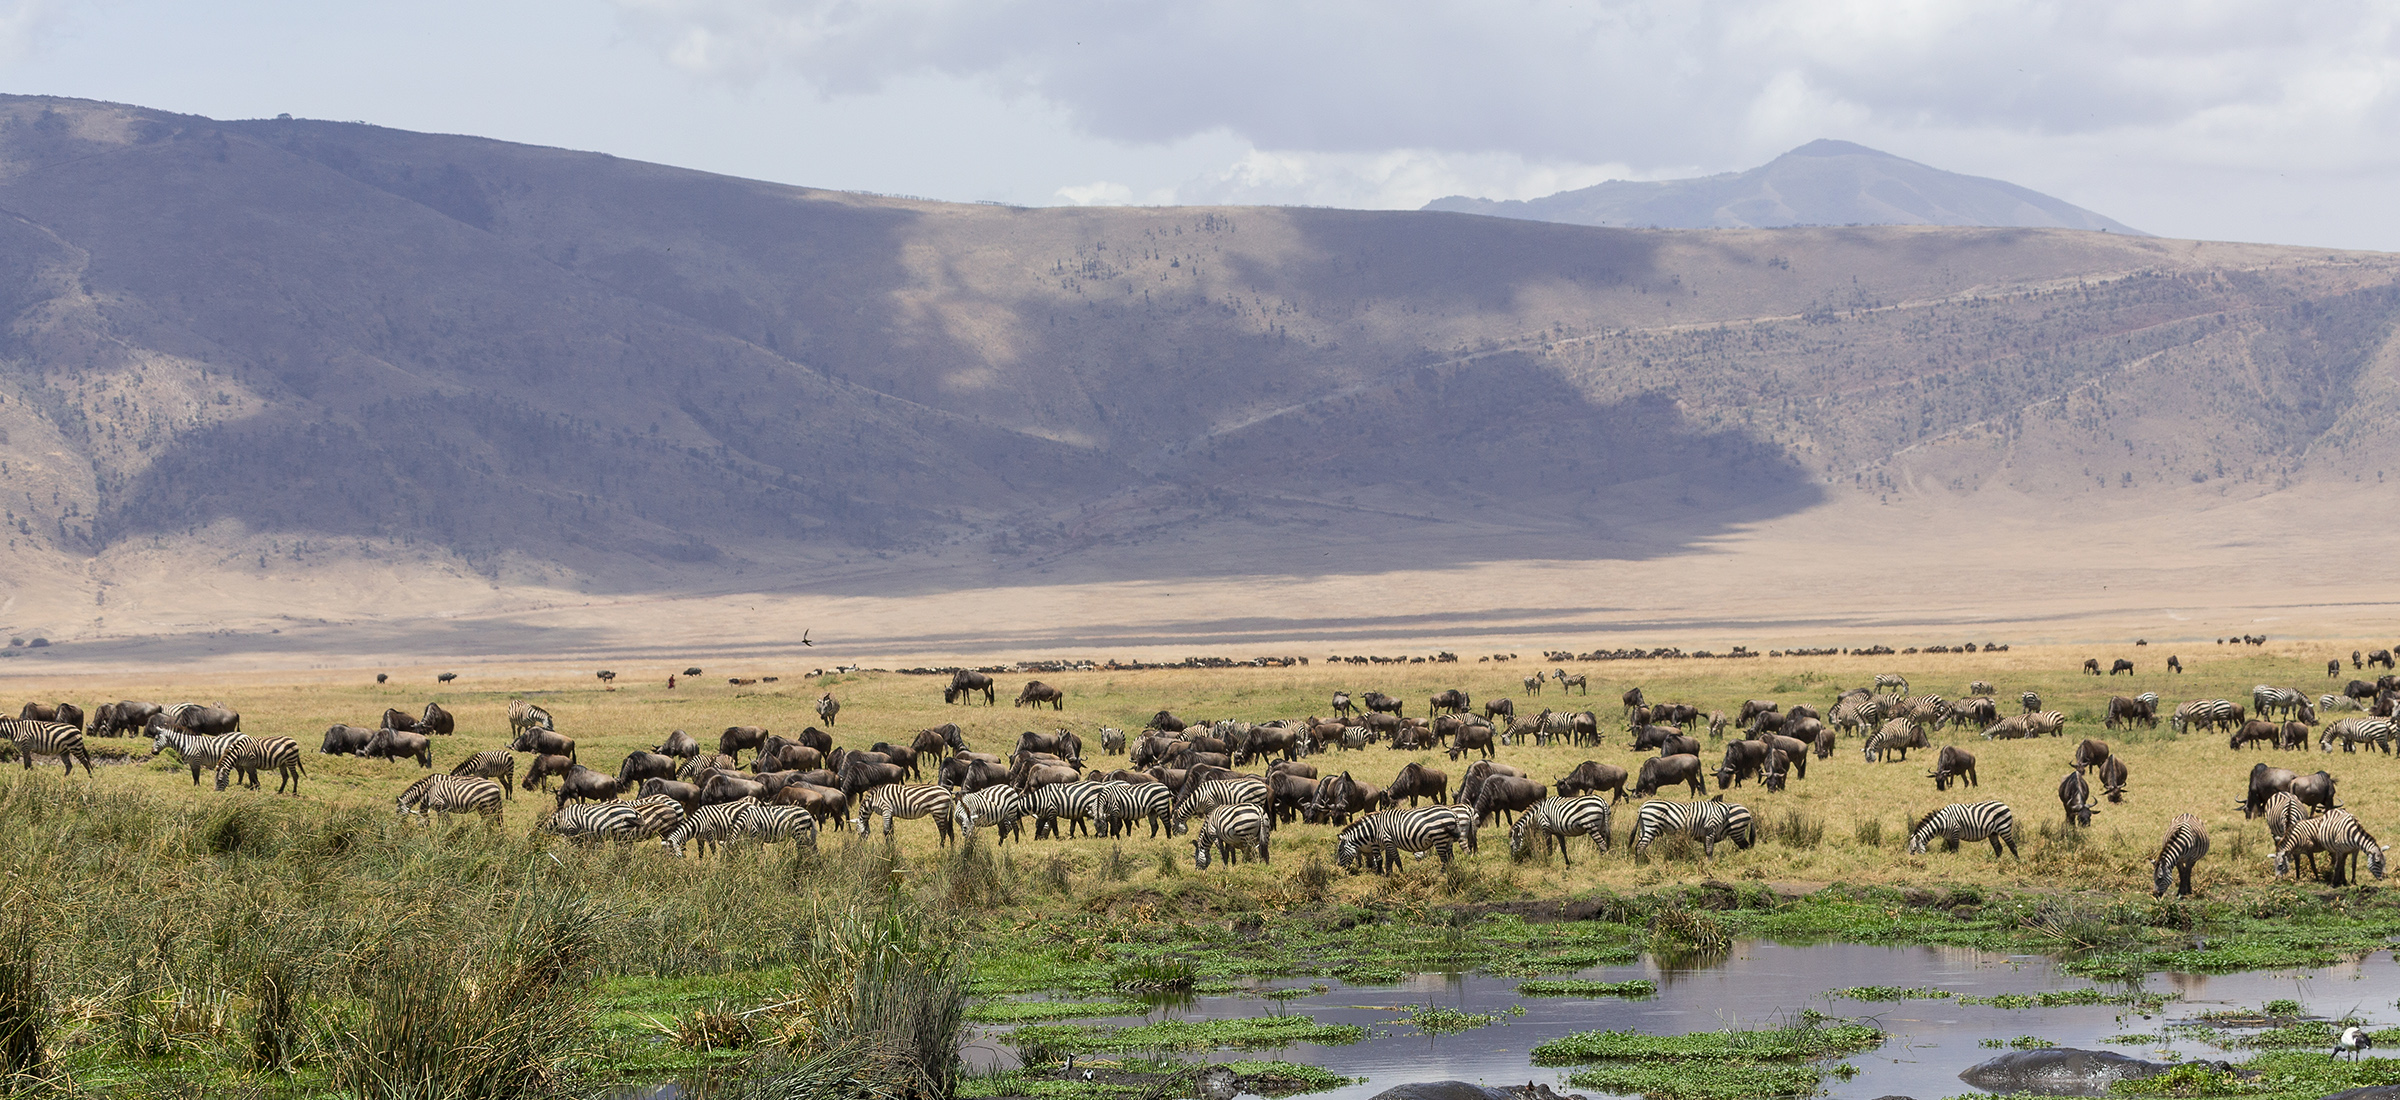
(1891,993)
(1794,1043)
(1271,1078)
(2145,1000)
(1017,1012)
(1248,1032)
(1441,1020)
(1699,1081)
(1570,987)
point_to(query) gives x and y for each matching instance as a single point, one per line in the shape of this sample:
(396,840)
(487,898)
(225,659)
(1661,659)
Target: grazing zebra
(252,754)
(2337,702)
(1381,836)
(1466,824)
(909,800)
(1897,736)
(2284,811)
(1967,821)
(1559,818)
(2048,723)
(593,822)
(51,739)
(766,824)
(1982,687)
(2269,701)
(2187,715)
(443,795)
(2340,837)
(523,716)
(2186,845)
(1890,680)
(2378,732)
(2148,701)
(1003,807)
(498,765)
(1123,804)
(2032,701)
(1079,803)
(1706,822)
(1233,829)
(196,750)
(659,814)
(710,826)
(2224,713)
(1210,794)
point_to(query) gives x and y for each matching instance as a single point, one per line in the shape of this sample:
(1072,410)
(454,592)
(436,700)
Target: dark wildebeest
(2380,657)
(2258,729)
(1452,701)
(1417,780)
(585,785)
(1281,741)
(1507,796)
(392,744)
(685,793)
(2174,665)
(38,712)
(1292,794)
(2121,665)
(1768,722)
(968,774)
(2112,778)
(1471,739)
(937,741)
(341,740)
(1684,714)
(1342,706)
(2264,782)
(1752,708)
(1583,728)
(446,677)
(2314,790)
(723,787)
(2089,754)
(2091,665)
(2075,796)
(898,754)
(396,719)
(1742,761)
(964,683)
(680,745)
(1824,744)
(822,802)
(2295,736)
(1038,693)
(1166,722)
(1591,777)
(816,739)
(1662,771)
(437,721)
(208,721)
(1496,708)
(131,715)
(1294,767)
(2333,668)
(1379,703)
(544,742)
(779,755)
(735,739)
(538,773)
(1066,746)
(2359,689)
(1953,763)
(2122,713)
(1651,737)
(1339,798)
(1793,749)
(639,766)
(1632,698)
(1803,730)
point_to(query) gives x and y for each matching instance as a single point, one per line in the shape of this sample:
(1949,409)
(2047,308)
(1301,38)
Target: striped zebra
(1466,824)
(498,765)
(2224,714)
(2269,701)
(1897,736)
(1927,710)
(2031,700)
(1078,803)
(2378,732)
(197,750)
(523,716)
(1556,819)
(1208,795)
(907,800)
(2340,837)
(1233,829)
(2194,713)
(1707,822)
(1123,804)
(2047,723)
(709,826)
(443,795)
(1381,836)
(254,754)
(1890,680)
(50,739)
(2186,845)
(2331,703)
(594,822)
(659,814)
(1968,821)
(2282,813)
(1004,808)
(768,823)
(2149,704)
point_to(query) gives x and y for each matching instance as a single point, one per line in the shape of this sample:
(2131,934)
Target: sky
(2218,119)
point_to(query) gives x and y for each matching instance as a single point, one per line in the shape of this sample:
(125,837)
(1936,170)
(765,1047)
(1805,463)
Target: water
(1764,984)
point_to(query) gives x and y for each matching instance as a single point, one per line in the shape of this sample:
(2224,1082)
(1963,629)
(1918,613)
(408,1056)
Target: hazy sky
(2273,121)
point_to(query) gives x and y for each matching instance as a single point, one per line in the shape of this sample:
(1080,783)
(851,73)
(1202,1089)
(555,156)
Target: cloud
(23,23)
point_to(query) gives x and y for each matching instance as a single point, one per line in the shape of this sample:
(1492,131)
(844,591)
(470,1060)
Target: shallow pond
(1764,984)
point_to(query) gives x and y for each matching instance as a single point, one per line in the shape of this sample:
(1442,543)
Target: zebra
(1533,684)
(2148,701)
(1381,836)
(1578,681)
(710,826)
(1707,822)
(2282,813)
(2268,701)
(2187,715)
(443,795)
(1123,804)
(593,822)
(2337,702)
(1969,821)
(767,823)
(907,800)
(1890,680)
(1560,818)
(498,765)
(1928,710)
(1003,807)
(2224,714)
(523,716)
(2378,732)
(1233,829)
(2031,700)
(2340,837)
(252,754)
(2186,845)
(51,739)
(2048,723)
(1079,803)
(1898,735)
(1210,794)
(198,751)
(659,814)
(1466,824)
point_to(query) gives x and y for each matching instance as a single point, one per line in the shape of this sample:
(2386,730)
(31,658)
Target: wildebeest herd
(1228,783)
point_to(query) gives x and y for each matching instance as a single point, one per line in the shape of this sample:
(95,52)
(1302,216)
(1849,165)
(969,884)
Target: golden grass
(2169,775)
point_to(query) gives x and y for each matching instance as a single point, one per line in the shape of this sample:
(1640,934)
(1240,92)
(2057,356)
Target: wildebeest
(1470,739)
(2075,796)
(1291,795)
(2121,665)
(827,708)
(946,738)
(1953,763)
(737,738)
(1339,798)
(1166,722)
(1752,708)
(1591,777)
(2256,730)
(1038,693)
(965,682)
(1663,771)
(2112,778)
(901,755)
(640,765)
(545,742)
(437,721)
(1342,705)
(2089,753)
(1507,795)
(392,744)
(446,677)
(1379,703)
(342,740)
(1064,744)
(968,773)
(686,793)
(1451,701)
(205,720)
(1743,760)
(1632,698)
(722,787)
(396,719)
(2315,789)
(1499,708)
(1417,780)
(680,745)
(586,785)
(2264,782)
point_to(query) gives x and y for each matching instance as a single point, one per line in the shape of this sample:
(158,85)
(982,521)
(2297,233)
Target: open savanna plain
(168,939)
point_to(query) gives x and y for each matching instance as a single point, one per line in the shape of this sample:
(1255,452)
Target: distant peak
(1828,147)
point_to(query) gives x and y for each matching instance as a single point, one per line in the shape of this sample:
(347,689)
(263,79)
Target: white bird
(2354,1039)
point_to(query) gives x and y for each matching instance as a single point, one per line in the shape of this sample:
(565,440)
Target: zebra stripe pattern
(1433,829)
(2378,732)
(659,815)
(1896,736)
(1706,822)
(1233,830)
(196,750)
(498,765)
(1002,807)
(709,826)
(1891,680)
(1123,804)
(767,824)
(1967,821)
(1556,819)
(50,739)
(2283,813)
(907,800)
(2186,845)
(253,754)
(2268,700)
(1248,790)
(523,716)
(2187,715)
(1078,803)
(594,822)
(2340,837)
(2338,702)
(2047,723)
(443,795)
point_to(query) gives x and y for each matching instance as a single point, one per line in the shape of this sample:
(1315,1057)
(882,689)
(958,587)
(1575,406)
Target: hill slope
(278,371)
(1821,183)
